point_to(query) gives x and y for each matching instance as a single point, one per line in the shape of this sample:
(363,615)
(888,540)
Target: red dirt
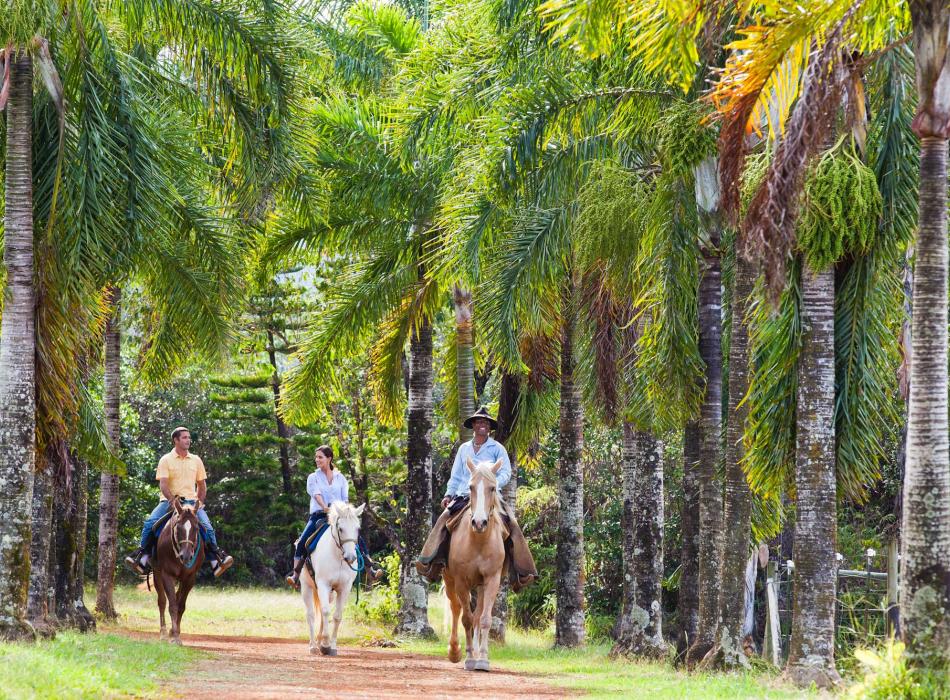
(276,668)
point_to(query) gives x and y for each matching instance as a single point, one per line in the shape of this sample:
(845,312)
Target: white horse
(334,564)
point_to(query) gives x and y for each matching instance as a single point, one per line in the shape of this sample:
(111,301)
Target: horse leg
(184,588)
(324,640)
(341,597)
(486,602)
(170,593)
(160,590)
(464,596)
(455,653)
(310,602)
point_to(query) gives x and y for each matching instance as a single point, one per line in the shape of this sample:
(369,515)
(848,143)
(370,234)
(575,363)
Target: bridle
(178,542)
(492,500)
(340,541)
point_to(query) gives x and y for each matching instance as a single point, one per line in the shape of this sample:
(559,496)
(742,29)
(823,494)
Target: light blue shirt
(331,491)
(490,451)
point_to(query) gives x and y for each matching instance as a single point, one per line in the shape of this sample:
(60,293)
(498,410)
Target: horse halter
(178,542)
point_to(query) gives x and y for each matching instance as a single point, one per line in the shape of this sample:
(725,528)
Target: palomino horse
(335,567)
(476,559)
(178,557)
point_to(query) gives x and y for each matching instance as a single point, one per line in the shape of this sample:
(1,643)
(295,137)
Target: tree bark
(569,628)
(925,527)
(507,415)
(17,358)
(464,358)
(687,604)
(710,486)
(283,431)
(812,646)
(108,481)
(640,626)
(70,541)
(737,517)
(42,531)
(413,615)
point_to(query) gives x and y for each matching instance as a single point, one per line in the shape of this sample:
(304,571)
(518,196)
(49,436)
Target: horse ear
(359,511)
(496,466)
(176,504)
(470,464)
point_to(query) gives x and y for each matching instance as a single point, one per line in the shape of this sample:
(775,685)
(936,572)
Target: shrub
(382,604)
(890,677)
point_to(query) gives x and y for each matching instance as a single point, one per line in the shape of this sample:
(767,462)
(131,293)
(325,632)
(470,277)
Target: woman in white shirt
(325,486)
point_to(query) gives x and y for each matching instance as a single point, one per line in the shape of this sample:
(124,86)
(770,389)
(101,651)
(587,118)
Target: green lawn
(77,665)
(280,613)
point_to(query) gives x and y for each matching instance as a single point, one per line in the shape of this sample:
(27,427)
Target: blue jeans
(315,521)
(160,510)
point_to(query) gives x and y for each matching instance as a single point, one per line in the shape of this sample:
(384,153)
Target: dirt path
(268,667)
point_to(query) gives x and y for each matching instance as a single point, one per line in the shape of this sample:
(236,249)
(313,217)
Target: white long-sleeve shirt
(331,491)
(490,451)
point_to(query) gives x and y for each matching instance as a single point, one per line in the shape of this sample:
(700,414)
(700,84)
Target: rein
(334,533)
(176,544)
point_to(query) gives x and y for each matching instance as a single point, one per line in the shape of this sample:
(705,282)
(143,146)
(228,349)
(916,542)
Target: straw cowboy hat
(482,412)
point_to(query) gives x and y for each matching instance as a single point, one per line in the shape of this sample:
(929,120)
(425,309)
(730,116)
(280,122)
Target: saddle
(311,544)
(157,529)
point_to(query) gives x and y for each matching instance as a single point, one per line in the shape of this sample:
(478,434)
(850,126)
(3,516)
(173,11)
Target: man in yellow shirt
(180,474)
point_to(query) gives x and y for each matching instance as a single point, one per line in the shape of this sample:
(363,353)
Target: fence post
(892,614)
(772,647)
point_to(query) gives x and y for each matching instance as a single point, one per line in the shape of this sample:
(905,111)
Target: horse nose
(350,558)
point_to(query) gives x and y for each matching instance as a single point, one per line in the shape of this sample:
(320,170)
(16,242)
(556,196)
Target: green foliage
(890,677)
(685,141)
(841,208)
(381,605)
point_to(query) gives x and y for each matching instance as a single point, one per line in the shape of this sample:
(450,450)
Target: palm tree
(925,587)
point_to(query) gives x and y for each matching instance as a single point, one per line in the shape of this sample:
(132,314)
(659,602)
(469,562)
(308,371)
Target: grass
(279,613)
(75,665)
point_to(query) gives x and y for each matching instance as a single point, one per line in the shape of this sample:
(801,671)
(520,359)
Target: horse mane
(342,510)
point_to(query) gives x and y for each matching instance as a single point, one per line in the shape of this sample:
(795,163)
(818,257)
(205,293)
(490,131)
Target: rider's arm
(455,480)
(163,487)
(202,490)
(504,472)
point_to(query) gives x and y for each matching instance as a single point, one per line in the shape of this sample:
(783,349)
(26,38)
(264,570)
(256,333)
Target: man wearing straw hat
(481,448)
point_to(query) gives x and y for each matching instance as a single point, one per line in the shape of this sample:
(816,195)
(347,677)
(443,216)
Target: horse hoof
(331,652)
(163,635)
(481,665)
(470,664)
(455,655)
(314,650)
(325,651)
(176,641)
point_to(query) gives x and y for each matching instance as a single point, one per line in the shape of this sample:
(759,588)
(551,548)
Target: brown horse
(476,559)
(179,555)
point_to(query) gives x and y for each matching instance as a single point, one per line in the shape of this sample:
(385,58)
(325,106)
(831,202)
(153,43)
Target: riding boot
(293,578)
(134,562)
(435,551)
(521,567)
(220,560)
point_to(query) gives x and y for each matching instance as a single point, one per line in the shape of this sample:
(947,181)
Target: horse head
(483,490)
(185,531)
(345,528)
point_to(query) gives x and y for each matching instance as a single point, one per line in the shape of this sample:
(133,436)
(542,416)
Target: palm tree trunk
(283,430)
(640,626)
(812,646)
(737,517)
(687,604)
(710,486)
(108,481)
(925,528)
(17,361)
(413,616)
(464,358)
(42,531)
(70,545)
(569,628)
(507,415)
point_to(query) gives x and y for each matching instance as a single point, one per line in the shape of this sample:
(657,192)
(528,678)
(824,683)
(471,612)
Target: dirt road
(267,667)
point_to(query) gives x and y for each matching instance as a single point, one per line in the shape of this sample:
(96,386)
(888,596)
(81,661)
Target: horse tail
(446,611)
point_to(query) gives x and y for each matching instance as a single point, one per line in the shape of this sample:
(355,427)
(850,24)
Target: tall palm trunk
(737,517)
(464,358)
(569,630)
(283,430)
(413,616)
(42,531)
(925,528)
(108,481)
(812,646)
(687,603)
(17,360)
(640,626)
(710,486)
(70,543)
(507,416)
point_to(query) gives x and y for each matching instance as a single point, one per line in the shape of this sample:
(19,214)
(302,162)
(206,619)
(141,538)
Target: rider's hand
(445,502)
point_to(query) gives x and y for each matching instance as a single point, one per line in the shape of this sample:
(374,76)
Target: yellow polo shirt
(182,473)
